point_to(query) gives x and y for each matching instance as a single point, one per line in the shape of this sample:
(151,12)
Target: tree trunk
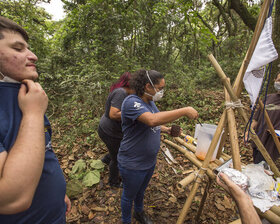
(224,15)
(244,14)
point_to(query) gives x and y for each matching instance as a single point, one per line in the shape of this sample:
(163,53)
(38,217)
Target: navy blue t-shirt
(48,206)
(140,143)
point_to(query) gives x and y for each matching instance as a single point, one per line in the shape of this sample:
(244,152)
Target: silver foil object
(237,177)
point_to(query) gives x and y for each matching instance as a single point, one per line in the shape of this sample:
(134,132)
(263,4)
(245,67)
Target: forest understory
(163,200)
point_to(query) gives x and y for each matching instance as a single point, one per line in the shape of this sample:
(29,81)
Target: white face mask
(158,95)
(277,86)
(7,79)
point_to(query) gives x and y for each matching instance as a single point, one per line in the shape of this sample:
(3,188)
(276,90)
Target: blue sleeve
(2,149)
(132,108)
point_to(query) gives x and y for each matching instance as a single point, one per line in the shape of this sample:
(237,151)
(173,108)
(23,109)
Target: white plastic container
(204,135)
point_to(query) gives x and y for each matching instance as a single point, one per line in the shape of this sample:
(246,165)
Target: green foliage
(33,19)
(74,188)
(99,40)
(91,178)
(87,171)
(96,164)
(81,55)
(79,166)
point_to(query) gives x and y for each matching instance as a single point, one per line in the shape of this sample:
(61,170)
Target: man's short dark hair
(9,25)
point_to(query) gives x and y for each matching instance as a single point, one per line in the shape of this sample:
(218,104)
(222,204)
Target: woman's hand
(68,204)
(165,129)
(191,113)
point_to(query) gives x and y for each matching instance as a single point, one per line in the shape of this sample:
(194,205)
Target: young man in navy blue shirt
(32,185)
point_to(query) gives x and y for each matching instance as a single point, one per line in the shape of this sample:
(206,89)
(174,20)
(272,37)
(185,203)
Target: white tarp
(264,53)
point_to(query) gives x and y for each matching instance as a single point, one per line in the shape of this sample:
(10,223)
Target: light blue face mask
(159,94)
(7,79)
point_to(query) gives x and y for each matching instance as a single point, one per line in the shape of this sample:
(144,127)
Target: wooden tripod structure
(228,124)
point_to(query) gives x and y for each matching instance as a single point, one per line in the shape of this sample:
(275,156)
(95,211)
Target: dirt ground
(163,199)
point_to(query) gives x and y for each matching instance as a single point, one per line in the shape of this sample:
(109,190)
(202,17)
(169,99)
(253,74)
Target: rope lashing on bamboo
(234,105)
(197,175)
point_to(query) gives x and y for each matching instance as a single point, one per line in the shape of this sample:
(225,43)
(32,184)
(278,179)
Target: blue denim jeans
(135,183)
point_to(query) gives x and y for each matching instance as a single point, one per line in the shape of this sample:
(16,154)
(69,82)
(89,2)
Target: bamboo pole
(213,165)
(270,126)
(265,154)
(233,135)
(234,98)
(222,143)
(272,215)
(191,157)
(275,209)
(238,84)
(186,181)
(188,145)
(204,166)
(237,88)
(193,148)
(187,203)
(273,218)
(269,215)
(223,138)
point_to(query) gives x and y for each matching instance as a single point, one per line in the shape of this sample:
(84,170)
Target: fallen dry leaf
(91,215)
(227,203)
(165,214)
(90,154)
(197,198)
(99,209)
(73,214)
(67,171)
(71,157)
(111,209)
(187,171)
(85,209)
(220,206)
(172,199)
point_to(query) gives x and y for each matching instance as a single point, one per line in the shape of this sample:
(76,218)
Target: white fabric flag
(264,53)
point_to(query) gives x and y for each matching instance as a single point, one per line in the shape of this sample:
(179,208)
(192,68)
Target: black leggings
(113,145)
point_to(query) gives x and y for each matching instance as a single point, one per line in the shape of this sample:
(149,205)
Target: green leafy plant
(87,171)
(84,174)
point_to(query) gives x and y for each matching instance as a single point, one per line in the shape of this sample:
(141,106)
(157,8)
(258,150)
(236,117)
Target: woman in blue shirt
(142,124)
